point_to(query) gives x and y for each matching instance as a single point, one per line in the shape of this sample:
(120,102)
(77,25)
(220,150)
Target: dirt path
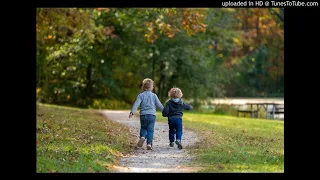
(162,158)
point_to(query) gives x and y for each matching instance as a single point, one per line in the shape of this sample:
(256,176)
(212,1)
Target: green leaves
(205,49)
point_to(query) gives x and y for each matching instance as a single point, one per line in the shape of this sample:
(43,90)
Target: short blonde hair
(147,84)
(175,93)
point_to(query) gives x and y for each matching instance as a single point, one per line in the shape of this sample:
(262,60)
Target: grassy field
(232,144)
(78,140)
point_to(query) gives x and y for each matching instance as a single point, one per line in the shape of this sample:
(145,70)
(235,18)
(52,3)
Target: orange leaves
(192,21)
(108,31)
(150,34)
(162,27)
(258,24)
(103,9)
(54,81)
(151,37)
(167,29)
(48,37)
(170,35)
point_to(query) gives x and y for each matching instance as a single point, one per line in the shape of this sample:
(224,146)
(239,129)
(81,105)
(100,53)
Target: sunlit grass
(78,140)
(233,144)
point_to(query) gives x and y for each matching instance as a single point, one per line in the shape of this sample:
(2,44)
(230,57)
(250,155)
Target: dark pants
(175,129)
(147,127)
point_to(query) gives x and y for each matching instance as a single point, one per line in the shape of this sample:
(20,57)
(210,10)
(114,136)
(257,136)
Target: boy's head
(175,93)
(147,84)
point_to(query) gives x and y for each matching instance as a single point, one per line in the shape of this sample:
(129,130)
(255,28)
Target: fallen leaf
(52,171)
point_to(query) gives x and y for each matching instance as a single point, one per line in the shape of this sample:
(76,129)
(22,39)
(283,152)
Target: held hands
(130,115)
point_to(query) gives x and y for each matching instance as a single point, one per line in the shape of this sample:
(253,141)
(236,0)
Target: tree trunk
(88,89)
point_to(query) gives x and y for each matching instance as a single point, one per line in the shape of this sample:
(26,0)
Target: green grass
(78,140)
(232,144)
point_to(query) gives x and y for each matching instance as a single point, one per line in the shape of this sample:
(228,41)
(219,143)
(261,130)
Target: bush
(221,109)
(225,110)
(109,104)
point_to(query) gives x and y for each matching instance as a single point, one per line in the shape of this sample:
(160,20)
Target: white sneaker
(149,147)
(141,141)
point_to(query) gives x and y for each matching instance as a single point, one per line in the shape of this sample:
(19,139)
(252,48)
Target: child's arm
(158,103)
(187,106)
(165,111)
(135,106)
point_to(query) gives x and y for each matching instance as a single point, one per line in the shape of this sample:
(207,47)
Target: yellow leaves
(130,74)
(192,21)
(97,103)
(150,35)
(220,55)
(68,97)
(161,24)
(49,37)
(37,28)
(229,9)
(38,90)
(236,40)
(150,29)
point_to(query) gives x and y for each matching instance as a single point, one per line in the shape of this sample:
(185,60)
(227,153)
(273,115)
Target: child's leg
(179,129)
(143,125)
(143,130)
(172,130)
(179,133)
(150,128)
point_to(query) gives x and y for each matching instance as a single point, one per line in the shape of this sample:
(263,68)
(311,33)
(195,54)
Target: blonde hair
(147,84)
(175,93)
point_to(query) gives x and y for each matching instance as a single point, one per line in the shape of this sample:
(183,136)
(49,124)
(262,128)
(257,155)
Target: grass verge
(233,144)
(78,140)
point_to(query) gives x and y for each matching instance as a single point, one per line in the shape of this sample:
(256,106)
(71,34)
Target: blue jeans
(175,129)
(147,127)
